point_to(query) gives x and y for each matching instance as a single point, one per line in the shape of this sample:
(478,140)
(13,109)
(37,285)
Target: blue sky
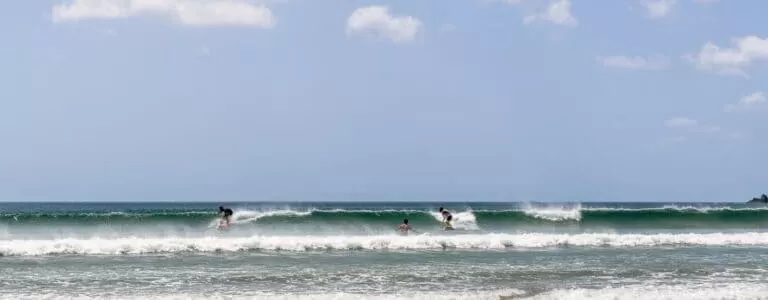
(496,100)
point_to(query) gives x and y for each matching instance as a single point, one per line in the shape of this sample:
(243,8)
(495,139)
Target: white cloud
(731,61)
(751,101)
(636,62)
(737,136)
(658,8)
(682,129)
(186,12)
(691,125)
(754,98)
(558,12)
(377,21)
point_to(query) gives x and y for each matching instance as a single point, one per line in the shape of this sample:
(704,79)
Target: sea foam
(135,245)
(734,291)
(553,213)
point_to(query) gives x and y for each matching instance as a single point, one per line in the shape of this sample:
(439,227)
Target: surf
(520,241)
(527,216)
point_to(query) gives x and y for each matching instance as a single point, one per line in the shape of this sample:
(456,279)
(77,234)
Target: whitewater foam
(117,246)
(464,220)
(553,213)
(680,208)
(681,292)
(734,291)
(480,295)
(247,216)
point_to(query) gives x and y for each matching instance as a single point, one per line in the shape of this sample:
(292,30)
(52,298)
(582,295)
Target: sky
(400,100)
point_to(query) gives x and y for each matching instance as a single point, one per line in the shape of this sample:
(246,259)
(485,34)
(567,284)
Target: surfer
(405,228)
(226,216)
(447,217)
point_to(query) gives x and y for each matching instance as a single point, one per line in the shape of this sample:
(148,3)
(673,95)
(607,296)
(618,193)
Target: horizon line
(349,201)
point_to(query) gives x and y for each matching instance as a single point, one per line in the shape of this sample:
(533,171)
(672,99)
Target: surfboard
(447,226)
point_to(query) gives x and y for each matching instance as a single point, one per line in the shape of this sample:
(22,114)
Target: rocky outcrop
(762,200)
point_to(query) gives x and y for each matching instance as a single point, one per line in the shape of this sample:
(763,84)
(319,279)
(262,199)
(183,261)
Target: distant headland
(761,199)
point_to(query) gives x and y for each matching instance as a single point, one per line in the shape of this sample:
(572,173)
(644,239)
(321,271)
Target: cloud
(690,125)
(658,8)
(737,136)
(636,62)
(186,12)
(752,101)
(683,130)
(681,122)
(731,61)
(558,12)
(754,98)
(378,22)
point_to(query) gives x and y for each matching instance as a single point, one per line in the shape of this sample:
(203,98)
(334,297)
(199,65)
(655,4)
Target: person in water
(405,228)
(447,217)
(226,216)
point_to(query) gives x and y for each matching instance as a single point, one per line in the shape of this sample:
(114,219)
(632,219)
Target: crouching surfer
(226,217)
(447,218)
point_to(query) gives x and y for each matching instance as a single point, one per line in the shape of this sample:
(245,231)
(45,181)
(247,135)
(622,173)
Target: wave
(468,219)
(733,291)
(552,213)
(476,295)
(135,245)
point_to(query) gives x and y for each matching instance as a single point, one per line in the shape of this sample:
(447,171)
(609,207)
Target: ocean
(351,250)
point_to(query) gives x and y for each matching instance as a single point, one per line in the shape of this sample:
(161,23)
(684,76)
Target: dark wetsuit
(448,217)
(227,215)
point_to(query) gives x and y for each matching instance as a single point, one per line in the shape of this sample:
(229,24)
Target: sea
(351,250)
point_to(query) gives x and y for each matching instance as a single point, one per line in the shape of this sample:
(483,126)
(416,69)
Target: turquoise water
(351,251)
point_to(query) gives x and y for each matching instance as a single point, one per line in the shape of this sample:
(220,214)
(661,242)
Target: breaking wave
(672,217)
(117,246)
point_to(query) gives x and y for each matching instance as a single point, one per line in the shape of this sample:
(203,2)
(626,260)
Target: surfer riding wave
(226,217)
(447,217)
